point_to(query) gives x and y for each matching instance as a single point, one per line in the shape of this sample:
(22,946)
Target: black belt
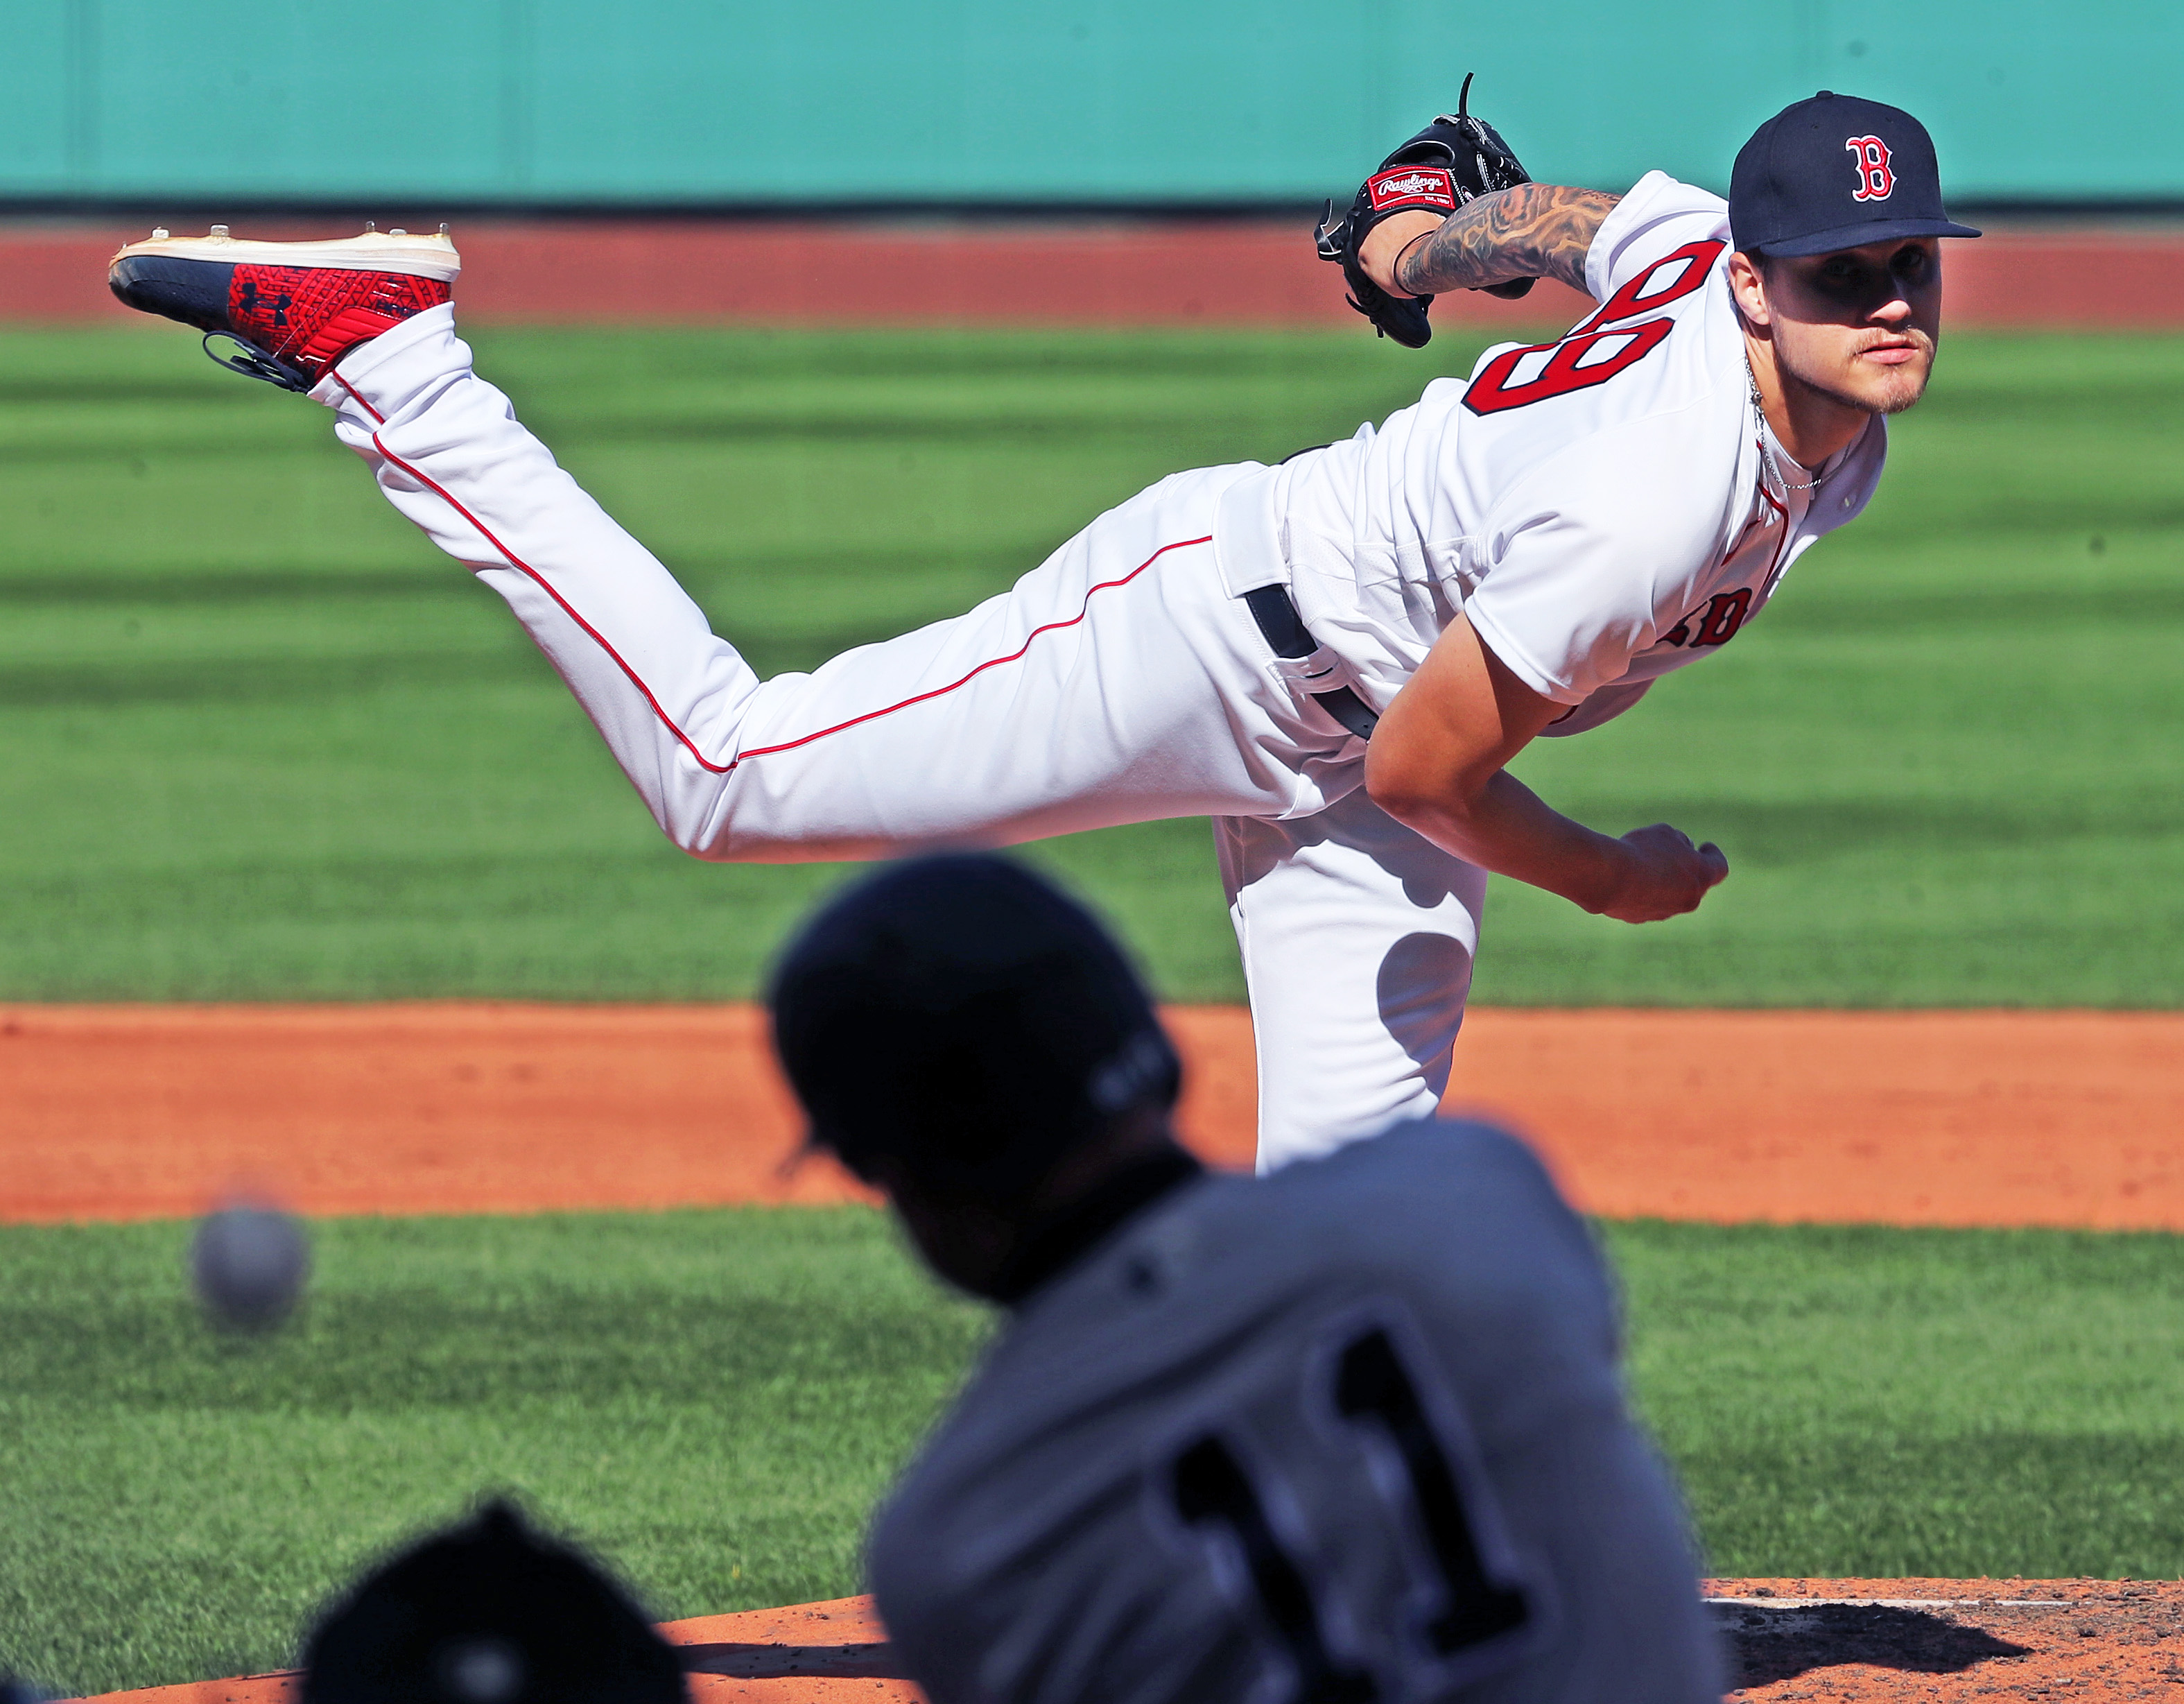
(1284,628)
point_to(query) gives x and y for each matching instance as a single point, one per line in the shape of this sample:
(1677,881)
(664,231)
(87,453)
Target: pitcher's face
(1858,324)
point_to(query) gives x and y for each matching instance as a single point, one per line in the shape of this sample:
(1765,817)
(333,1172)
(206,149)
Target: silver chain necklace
(1759,408)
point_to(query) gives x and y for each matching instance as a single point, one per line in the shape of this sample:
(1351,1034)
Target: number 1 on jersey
(1211,1486)
(1372,1387)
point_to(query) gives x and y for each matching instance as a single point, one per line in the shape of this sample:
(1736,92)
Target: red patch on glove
(1429,187)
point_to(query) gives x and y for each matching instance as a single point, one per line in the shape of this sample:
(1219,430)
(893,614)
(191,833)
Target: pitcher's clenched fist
(1669,875)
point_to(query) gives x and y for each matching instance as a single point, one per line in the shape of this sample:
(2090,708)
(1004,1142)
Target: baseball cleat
(292,308)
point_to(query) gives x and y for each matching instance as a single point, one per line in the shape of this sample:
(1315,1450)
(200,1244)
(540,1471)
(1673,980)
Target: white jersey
(1603,509)
(1355,1430)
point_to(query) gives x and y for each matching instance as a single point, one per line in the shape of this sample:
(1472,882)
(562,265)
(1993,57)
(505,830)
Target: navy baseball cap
(1833,172)
(961,1014)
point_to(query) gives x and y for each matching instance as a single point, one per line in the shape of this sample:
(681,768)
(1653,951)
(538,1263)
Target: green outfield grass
(713,1400)
(261,741)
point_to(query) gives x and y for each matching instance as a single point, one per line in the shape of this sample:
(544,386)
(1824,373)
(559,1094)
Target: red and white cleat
(292,308)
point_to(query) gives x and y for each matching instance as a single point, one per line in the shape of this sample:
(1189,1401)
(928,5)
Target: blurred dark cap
(959,1015)
(488,1612)
(1833,172)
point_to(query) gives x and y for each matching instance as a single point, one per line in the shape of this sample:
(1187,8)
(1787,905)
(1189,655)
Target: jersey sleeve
(1657,217)
(1587,561)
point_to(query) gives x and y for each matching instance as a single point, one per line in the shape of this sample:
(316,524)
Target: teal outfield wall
(1211,102)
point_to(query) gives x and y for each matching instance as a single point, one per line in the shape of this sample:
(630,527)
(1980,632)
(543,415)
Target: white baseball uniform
(1603,509)
(1353,1432)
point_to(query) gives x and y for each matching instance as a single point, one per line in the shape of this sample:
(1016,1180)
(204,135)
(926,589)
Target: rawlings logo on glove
(1393,191)
(1443,166)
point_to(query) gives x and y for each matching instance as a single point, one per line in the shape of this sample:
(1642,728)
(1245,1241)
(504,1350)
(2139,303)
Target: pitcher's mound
(1871,1641)
(1882,1641)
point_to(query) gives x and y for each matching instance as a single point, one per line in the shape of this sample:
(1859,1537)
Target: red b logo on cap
(1875,182)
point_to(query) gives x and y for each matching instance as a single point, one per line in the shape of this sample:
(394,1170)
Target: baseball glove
(1437,170)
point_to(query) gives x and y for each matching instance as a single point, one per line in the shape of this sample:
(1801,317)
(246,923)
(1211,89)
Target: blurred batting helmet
(488,1612)
(962,1016)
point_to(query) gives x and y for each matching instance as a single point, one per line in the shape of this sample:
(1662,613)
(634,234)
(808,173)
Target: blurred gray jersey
(1351,1433)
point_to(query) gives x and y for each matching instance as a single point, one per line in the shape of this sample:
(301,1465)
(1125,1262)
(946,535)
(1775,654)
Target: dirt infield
(1913,1118)
(1860,1641)
(1168,274)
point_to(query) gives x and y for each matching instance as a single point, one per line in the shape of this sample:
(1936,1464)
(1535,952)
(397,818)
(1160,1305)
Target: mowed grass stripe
(262,742)
(714,1399)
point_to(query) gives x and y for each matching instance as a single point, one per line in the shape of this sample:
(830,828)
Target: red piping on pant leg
(668,721)
(358,396)
(993,663)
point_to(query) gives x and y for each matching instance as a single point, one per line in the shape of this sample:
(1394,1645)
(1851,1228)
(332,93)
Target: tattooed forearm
(1534,231)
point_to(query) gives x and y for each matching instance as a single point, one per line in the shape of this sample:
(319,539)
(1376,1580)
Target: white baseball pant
(1117,682)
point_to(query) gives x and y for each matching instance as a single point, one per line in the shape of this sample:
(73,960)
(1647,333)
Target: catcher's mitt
(1437,170)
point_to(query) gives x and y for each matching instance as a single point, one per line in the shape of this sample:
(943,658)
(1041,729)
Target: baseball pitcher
(1336,658)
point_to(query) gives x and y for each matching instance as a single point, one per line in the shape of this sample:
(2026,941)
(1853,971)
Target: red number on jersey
(1566,370)
(1694,262)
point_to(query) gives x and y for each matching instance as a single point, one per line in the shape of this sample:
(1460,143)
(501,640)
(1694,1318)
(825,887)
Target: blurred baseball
(249,1264)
